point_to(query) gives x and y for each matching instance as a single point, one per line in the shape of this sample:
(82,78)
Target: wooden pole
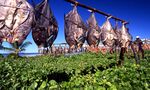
(95,10)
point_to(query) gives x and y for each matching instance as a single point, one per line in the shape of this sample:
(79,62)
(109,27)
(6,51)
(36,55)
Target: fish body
(16,18)
(75,29)
(108,35)
(93,35)
(45,28)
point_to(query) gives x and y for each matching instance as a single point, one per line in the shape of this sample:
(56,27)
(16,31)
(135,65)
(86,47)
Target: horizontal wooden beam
(95,10)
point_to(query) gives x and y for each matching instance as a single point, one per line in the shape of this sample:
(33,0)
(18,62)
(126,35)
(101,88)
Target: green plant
(15,48)
(84,71)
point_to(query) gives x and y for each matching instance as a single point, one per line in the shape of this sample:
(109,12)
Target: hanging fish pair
(45,27)
(75,29)
(16,18)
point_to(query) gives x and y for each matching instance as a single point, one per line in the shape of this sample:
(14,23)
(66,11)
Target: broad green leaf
(43,85)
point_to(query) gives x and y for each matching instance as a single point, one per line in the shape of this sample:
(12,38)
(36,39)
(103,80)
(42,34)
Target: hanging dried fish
(16,18)
(45,27)
(126,37)
(108,35)
(75,29)
(93,35)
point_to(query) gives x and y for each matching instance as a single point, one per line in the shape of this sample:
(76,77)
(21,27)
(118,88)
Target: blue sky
(137,12)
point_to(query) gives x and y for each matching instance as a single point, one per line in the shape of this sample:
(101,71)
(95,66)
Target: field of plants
(87,71)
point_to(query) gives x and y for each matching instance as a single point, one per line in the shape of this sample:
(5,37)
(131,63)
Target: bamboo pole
(95,10)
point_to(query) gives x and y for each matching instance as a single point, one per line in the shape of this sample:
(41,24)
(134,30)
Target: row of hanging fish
(16,18)
(76,32)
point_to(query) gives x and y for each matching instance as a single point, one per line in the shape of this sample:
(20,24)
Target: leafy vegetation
(87,71)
